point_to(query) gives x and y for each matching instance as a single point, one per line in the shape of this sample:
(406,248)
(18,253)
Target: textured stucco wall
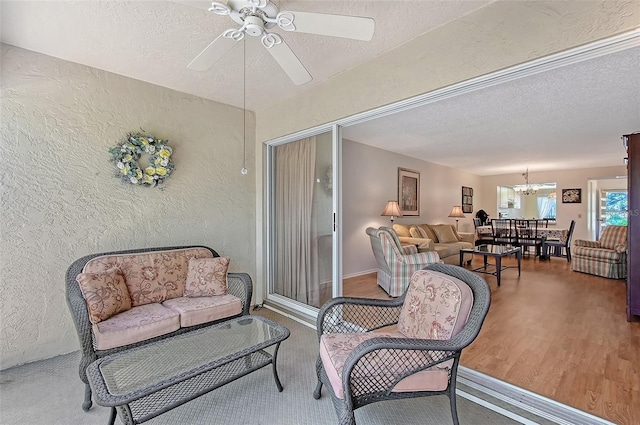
(60,199)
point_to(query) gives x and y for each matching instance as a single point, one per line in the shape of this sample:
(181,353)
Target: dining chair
(560,248)
(481,238)
(528,235)
(503,231)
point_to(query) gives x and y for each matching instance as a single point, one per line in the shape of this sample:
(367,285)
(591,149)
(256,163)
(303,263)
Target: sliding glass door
(302,221)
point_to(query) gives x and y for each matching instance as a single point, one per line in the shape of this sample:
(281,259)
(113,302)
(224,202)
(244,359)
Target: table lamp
(456,213)
(392,209)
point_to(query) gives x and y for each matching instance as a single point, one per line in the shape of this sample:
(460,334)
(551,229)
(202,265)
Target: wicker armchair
(395,261)
(239,284)
(364,358)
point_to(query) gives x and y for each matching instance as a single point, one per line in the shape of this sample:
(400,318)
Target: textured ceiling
(571,117)
(154,41)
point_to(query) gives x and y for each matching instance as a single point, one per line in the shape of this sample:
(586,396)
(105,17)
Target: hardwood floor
(557,333)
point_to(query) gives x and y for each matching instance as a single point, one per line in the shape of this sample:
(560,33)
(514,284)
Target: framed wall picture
(409,191)
(467,199)
(571,196)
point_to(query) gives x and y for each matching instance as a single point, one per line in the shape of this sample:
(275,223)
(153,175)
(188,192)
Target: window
(613,207)
(547,206)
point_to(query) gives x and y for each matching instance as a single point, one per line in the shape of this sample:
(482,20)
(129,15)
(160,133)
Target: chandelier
(526,189)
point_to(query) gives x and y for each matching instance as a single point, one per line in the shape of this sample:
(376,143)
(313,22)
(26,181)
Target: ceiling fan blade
(212,53)
(288,61)
(343,26)
(198,4)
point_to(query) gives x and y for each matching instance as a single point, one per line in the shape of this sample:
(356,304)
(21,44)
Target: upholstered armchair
(396,262)
(606,257)
(374,350)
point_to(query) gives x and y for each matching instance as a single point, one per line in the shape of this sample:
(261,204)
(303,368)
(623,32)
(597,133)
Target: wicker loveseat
(606,257)
(442,238)
(123,299)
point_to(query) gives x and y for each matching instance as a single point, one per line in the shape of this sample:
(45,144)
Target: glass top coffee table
(496,251)
(144,382)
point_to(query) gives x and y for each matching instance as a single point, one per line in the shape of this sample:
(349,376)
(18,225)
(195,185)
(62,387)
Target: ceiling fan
(256,17)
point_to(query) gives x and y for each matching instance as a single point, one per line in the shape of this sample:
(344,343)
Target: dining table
(555,233)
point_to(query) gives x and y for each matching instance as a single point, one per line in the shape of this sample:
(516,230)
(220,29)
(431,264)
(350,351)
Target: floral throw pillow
(207,277)
(105,292)
(436,306)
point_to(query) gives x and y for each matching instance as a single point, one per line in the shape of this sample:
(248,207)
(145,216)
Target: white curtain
(295,255)
(545,205)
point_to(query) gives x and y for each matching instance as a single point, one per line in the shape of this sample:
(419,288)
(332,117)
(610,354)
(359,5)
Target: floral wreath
(127,154)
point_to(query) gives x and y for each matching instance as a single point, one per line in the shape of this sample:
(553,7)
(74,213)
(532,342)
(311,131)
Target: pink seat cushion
(131,326)
(335,348)
(194,311)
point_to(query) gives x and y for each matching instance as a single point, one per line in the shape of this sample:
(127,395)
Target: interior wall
(370,179)
(61,198)
(566,179)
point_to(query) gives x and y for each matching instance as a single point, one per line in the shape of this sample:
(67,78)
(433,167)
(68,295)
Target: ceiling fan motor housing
(254,25)
(246,9)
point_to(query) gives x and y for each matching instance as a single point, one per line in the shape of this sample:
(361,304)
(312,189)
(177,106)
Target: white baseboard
(346,276)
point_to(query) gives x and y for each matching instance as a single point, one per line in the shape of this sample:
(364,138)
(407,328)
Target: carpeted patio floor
(50,392)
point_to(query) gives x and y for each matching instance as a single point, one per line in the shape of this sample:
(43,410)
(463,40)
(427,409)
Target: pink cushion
(436,306)
(139,323)
(152,276)
(207,277)
(194,311)
(335,348)
(105,292)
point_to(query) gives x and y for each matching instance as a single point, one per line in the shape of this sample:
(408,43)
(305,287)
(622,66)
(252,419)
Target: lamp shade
(392,209)
(456,212)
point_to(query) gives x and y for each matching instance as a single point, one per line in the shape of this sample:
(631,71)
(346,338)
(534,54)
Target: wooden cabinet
(632,143)
(508,197)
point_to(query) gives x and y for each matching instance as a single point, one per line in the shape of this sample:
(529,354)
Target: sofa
(606,257)
(442,238)
(124,299)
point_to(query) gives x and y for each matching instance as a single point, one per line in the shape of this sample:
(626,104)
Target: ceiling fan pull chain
(235,34)
(269,40)
(285,21)
(219,8)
